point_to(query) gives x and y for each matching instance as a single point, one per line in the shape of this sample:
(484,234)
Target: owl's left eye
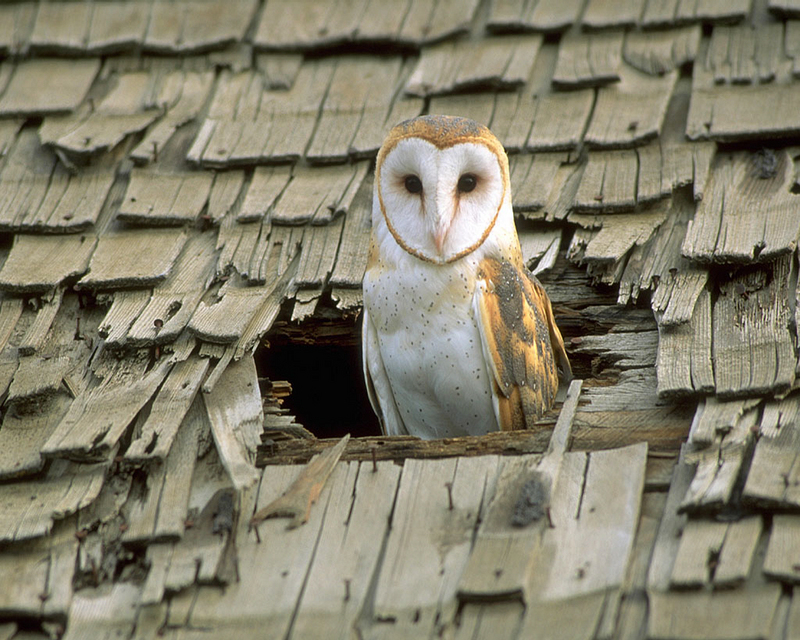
(467,182)
(413,184)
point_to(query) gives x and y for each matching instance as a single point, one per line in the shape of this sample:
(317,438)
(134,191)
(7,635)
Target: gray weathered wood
(499,565)
(609,182)
(40,263)
(68,82)
(129,258)
(752,347)
(631,111)
(599,15)
(349,551)
(588,60)
(266,186)
(98,417)
(271,576)
(234,409)
(165,199)
(116,27)
(170,406)
(746,215)
(24,432)
(783,552)
(658,52)
(772,480)
(461,64)
(162,514)
(545,15)
(104,612)
(416,553)
(174,300)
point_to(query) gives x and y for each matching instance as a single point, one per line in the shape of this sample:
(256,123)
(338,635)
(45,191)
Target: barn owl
(458,337)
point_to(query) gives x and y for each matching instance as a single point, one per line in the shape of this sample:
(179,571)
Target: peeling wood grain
(234,408)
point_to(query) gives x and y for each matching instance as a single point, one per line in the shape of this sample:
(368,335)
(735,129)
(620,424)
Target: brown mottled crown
(442,132)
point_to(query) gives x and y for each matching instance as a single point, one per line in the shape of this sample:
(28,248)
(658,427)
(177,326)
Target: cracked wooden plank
(68,82)
(38,331)
(684,361)
(500,563)
(318,255)
(318,194)
(266,186)
(532,176)
(24,180)
(162,513)
(496,63)
(74,208)
(348,555)
(600,15)
(351,258)
(773,479)
(620,232)
(31,507)
(609,182)
(173,301)
(748,212)
(44,569)
(191,91)
(170,408)
(271,576)
(783,551)
(588,60)
(360,95)
(133,258)
(39,263)
(436,498)
(724,109)
(544,15)
(99,416)
(630,111)
(122,313)
(575,563)
(160,199)
(234,409)
(752,346)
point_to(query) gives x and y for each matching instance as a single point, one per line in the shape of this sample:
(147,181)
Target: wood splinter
(296,502)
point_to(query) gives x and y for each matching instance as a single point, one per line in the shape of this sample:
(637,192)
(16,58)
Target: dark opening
(328,393)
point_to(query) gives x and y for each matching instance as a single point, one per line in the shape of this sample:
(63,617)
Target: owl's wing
(521,342)
(378,388)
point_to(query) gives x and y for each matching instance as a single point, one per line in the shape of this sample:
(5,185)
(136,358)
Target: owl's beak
(440,235)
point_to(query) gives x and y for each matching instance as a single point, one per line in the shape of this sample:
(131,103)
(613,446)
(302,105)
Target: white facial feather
(460,220)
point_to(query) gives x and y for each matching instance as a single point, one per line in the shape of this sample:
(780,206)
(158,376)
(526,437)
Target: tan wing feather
(521,341)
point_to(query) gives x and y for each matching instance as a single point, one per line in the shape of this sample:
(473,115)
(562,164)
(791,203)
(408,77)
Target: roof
(182,181)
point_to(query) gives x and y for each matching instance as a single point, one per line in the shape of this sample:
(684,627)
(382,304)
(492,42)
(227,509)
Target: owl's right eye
(413,184)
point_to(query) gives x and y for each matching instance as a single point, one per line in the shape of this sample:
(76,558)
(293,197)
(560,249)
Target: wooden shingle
(748,213)
(133,258)
(542,15)
(68,82)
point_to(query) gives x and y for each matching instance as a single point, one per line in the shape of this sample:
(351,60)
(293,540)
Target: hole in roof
(328,394)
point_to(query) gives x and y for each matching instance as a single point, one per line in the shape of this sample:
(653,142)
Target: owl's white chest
(430,347)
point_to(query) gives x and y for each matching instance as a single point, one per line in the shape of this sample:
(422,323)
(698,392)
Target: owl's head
(441,186)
